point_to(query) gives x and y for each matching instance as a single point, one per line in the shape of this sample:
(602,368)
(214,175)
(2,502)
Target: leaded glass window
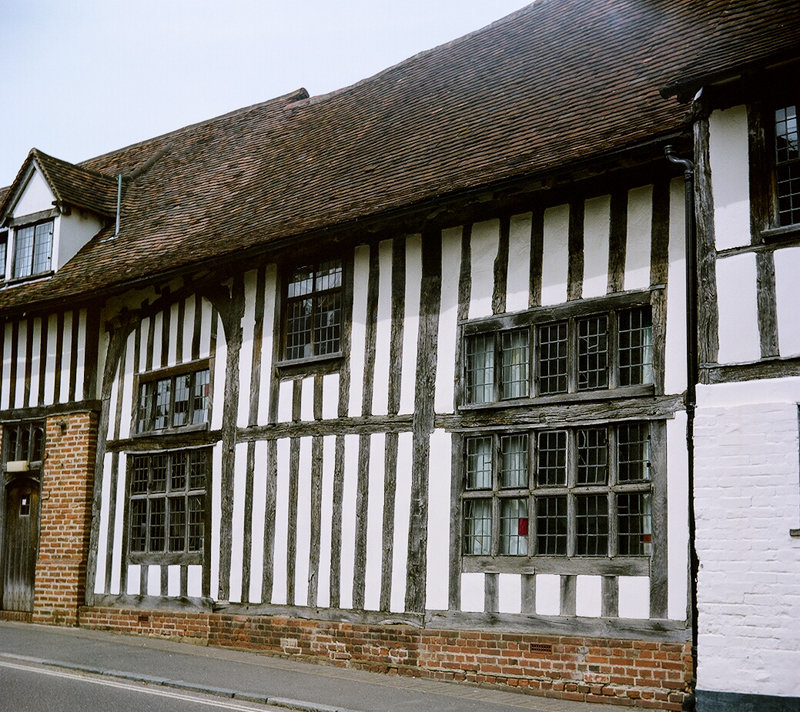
(314,310)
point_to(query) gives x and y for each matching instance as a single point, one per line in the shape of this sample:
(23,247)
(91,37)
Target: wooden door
(21,544)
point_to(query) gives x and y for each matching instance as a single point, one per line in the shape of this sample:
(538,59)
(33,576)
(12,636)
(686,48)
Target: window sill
(327,363)
(647,389)
(14,281)
(795,533)
(778,234)
(175,557)
(590,565)
(199,427)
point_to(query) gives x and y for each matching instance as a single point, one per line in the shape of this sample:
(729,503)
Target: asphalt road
(27,687)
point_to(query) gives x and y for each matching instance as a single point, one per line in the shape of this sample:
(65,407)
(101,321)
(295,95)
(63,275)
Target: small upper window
(787,165)
(314,310)
(3,253)
(33,249)
(173,400)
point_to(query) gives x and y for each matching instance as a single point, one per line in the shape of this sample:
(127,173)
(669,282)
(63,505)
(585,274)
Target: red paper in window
(522,527)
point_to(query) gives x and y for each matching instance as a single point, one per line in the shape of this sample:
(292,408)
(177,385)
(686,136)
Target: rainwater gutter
(119,202)
(691,388)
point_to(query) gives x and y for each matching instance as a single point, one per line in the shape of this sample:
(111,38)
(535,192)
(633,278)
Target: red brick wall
(650,675)
(65,519)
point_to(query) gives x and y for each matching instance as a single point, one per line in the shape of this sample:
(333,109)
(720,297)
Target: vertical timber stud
(501,268)
(575,251)
(423,422)
(617,241)
(659,273)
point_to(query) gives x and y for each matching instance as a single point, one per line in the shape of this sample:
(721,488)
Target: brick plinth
(65,519)
(646,674)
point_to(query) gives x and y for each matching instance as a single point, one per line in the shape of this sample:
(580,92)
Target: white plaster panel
(188,328)
(22,355)
(172,347)
(555,258)
(383,328)
(349,520)
(80,363)
(50,362)
(596,229)
(174,580)
(730,183)
(358,329)
(220,367)
(738,312)
(483,252)
(448,320)
(6,383)
(509,593)
(102,538)
(267,344)
(787,298)
(548,594)
(307,399)
(588,596)
(473,593)
(112,404)
(747,498)
(35,359)
(66,357)
(206,313)
(408,372)
(258,520)
(303,541)
(279,564)
(118,560)
(330,396)
(158,330)
(634,596)
(35,197)
(127,388)
(372,579)
(285,393)
(134,579)
(324,578)
(237,522)
(194,580)
(518,277)
(638,239)
(677,517)
(246,349)
(675,347)
(144,326)
(439,476)
(216,516)
(71,232)
(402,511)
(154,580)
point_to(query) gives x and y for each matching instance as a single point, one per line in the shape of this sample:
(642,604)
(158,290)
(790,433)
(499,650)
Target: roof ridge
(318,98)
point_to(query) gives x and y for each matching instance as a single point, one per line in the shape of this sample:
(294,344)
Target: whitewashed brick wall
(747,500)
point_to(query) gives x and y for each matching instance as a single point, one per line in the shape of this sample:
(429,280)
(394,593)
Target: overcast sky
(82,77)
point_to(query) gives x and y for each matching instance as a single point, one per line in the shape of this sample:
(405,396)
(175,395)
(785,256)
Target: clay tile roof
(71,185)
(556,83)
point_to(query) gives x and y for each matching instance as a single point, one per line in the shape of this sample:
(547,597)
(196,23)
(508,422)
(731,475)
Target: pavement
(257,677)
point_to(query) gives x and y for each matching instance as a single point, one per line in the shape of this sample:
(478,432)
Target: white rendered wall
(35,197)
(787,298)
(555,262)
(483,252)
(728,156)
(747,500)
(73,232)
(738,311)
(639,229)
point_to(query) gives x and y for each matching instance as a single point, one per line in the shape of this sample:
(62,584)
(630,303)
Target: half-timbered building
(397,376)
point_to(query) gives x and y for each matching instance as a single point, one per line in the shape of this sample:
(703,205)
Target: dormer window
(33,249)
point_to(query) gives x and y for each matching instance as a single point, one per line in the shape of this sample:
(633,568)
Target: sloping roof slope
(557,82)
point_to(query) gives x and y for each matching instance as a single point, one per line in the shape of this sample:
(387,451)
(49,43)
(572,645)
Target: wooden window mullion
(572,468)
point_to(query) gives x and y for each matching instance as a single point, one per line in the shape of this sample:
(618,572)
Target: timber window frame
(3,254)
(786,155)
(175,399)
(313,311)
(571,499)
(168,505)
(33,249)
(23,446)
(590,348)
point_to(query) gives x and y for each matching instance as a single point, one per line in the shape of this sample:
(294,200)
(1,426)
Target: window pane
(198,466)
(593,352)
(146,397)
(200,398)
(301,282)
(591,525)
(552,358)
(3,247)
(42,247)
(551,526)
(514,461)
(157,516)
(634,524)
(177,472)
(158,473)
(514,353)
(480,368)
(551,464)
(183,388)
(514,527)
(478,526)
(23,251)
(592,456)
(635,347)
(327,323)
(196,523)
(162,398)
(479,463)
(298,329)
(138,524)
(139,473)
(633,448)
(177,523)
(329,275)
(787,160)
